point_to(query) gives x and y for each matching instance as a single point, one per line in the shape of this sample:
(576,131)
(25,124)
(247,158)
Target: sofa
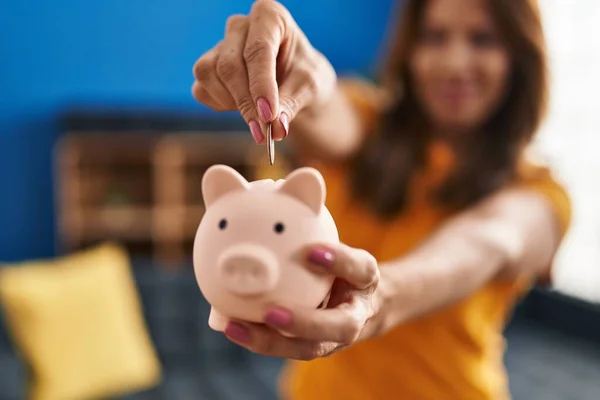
(549,354)
(197,362)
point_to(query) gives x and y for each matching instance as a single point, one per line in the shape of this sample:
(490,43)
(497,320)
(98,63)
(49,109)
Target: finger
(294,93)
(263,340)
(356,266)
(342,324)
(269,23)
(202,95)
(208,89)
(232,73)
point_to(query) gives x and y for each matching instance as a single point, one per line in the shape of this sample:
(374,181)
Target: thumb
(356,266)
(295,92)
(294,95)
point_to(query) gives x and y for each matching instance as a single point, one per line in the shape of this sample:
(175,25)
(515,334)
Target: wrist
(383,300)
(324,87)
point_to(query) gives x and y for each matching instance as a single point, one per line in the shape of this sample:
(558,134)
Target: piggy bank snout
(248,270)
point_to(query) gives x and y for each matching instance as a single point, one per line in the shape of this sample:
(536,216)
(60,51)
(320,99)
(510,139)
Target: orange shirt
(454,353)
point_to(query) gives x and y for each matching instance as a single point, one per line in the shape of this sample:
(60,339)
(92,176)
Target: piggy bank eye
(279,227)
(222,224)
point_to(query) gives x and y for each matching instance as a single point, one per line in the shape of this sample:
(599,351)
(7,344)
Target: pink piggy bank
(250,246)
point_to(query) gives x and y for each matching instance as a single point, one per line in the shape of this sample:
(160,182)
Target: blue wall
(122,52)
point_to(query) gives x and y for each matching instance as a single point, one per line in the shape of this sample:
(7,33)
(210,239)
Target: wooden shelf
(143,190)
(126,222)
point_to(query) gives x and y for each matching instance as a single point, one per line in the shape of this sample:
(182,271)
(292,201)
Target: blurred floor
(546,364)
(201,364)
(542,364)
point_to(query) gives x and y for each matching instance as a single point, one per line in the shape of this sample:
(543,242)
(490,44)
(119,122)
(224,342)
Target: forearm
(327,131)
(513,234)
(444,270)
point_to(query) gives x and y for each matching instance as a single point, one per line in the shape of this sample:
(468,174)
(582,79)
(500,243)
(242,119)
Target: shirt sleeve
(542,180)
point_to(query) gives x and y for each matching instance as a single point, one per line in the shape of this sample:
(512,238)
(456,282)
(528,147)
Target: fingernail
(264,109)
(285,122)
(237,332)
(321,256)
(257,134)
(278,317)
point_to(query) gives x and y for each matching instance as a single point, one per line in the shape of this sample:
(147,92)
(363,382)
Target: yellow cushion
(78,323)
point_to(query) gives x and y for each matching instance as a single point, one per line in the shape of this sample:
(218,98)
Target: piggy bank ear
(307,185)
(219,180)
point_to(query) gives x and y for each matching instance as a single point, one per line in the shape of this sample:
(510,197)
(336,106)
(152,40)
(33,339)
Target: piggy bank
(250,247)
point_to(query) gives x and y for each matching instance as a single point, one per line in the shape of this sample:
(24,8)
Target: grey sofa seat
(201,364)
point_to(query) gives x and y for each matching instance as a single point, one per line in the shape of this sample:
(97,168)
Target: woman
(445,223)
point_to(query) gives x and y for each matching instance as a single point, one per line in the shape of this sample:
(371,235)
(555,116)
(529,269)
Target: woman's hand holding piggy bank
(267,256)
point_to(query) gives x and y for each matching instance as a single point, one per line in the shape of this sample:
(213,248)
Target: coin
(270,145)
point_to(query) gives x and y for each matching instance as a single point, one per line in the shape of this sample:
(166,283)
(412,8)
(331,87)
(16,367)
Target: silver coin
(270,145)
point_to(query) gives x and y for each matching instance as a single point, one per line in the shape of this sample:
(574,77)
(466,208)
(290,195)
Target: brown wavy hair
(383,168)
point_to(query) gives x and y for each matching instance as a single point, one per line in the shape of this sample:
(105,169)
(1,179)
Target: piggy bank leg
(217,321)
